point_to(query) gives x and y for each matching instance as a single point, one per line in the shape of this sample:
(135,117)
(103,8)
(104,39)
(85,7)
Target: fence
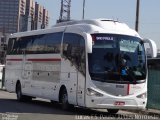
(154,85)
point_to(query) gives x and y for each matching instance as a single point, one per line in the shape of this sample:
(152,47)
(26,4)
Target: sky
(121,10)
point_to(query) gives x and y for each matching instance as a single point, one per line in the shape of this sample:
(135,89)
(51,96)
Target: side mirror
(153,47)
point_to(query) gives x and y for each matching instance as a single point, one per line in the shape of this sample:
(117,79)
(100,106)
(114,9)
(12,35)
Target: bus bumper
(108,103)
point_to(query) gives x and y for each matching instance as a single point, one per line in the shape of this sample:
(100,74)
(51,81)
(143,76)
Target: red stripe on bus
(128,89)
(14,59)
(52,59)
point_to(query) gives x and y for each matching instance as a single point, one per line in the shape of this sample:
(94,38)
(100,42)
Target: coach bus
(98,64)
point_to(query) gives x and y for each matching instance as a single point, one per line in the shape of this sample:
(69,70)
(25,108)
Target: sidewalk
(147,112)
(152,112)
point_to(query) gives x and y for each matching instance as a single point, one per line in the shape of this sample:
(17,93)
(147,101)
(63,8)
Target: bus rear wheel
(112,111)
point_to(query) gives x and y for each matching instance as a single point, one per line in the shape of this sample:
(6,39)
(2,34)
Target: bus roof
(88,26)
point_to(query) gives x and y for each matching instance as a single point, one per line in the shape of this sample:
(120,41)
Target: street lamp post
(137,16)
(83,9)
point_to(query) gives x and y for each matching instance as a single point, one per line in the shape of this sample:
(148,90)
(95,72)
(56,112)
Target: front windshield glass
(118,58)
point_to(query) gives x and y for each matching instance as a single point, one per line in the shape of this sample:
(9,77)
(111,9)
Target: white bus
(89,63)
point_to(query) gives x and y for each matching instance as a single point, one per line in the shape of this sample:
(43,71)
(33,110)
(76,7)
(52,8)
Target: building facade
(22,15)
(19,16)
(3,47)
(36,16)
(29,16)
(45,20)
(10,15)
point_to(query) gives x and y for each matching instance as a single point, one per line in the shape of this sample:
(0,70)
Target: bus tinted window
(53,43)
(74,50)
(37,44)
(15,49)
(10,45)
(28,44)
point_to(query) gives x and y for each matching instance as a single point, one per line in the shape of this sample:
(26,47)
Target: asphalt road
(39,109)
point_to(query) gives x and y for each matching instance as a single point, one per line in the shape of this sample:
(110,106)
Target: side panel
(13,71)
(69,79)
(26,76)
(35,60)
(45,75)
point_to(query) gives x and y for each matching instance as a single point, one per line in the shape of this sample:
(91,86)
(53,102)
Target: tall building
(10,15)
(21,20)
(22,15)
(36,17)
(29,15)
(45,20)
(18,16)
(3,47)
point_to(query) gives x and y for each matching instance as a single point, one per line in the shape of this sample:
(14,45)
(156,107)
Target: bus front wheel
(112,111)
(20,97)
(64,99)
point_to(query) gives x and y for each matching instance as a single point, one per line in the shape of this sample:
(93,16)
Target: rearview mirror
(153,47)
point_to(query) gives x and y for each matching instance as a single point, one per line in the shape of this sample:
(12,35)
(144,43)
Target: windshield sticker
(128,45)
(104,38)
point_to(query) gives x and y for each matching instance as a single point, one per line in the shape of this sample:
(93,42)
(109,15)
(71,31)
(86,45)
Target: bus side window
(10,45)
(53,42)
(70,47)
(74,50)
(82,57)
(38,44)
(22,45)
(29,43)
(15,46)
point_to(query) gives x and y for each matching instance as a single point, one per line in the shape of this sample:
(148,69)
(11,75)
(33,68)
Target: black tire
(53,102)
(27,98)
(112,111)
(64,99)
(20,97)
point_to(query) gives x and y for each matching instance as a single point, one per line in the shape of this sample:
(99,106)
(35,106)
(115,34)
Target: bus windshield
(117,58)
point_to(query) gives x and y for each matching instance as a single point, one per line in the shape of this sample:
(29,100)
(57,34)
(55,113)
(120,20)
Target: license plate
(119,103)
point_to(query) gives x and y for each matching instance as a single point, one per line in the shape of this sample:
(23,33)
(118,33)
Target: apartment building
(19,16)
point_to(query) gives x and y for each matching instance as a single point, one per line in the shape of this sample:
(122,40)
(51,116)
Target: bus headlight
(92,92)
(142,96)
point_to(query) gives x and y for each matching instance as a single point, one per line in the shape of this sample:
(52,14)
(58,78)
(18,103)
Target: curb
(2,89)
(152,112)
